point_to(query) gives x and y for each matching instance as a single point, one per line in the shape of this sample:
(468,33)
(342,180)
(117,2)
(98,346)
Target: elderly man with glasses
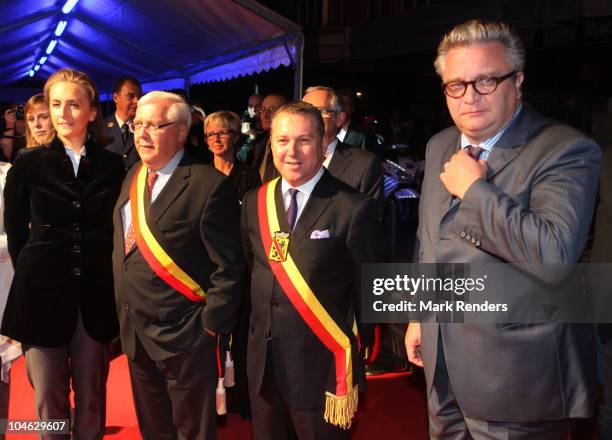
(178,267)
(504,185)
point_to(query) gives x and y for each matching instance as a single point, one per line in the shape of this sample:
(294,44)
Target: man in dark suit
(261,156)
(504,185)
(126,92)
(177,263)
(304,235)
(357,168)
(351,133)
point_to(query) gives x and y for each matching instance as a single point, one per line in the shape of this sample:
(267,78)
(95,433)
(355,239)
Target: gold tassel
(339,411)
(221,403)
(229,371)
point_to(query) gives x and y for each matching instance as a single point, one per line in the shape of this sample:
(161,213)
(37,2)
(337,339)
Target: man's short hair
(304,109)
(475,32)
(335,101)
(347,97)
(125,79)
(178,110)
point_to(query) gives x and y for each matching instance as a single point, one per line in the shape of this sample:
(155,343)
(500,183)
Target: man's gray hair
(178,110)
(475,32)
(335,101)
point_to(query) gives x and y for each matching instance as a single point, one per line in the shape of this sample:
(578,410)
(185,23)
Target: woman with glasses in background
(58,217)
(222,132)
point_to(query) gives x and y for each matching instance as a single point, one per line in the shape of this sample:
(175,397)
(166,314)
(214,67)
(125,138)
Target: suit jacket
(127,151)
(303,367)
(359,137)
(534,206)
(360,170)
(196,220)
(59,230)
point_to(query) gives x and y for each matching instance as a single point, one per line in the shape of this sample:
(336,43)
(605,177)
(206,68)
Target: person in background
(10,349)
(39,127)
(351,133)
(12,139)
(58,218)
(126,92)
(221,130)
(260,156)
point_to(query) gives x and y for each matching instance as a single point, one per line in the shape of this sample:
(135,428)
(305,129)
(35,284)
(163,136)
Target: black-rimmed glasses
(483,85)
(222,134)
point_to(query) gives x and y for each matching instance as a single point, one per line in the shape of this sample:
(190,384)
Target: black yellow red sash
(341,405)
(155,255)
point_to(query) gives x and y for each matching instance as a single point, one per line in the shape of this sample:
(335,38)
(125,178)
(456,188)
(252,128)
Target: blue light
(51,46)
(31,73)
(42,60)
(68,6)
(59,30)
(36,67)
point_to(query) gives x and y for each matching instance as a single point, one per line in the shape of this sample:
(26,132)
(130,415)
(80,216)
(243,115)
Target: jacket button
(473,240)
(477,242)
(76,204)
(127,306)
(77,271)
(76,248)
(468,237)
(124,267)
(76,227)
(462,234)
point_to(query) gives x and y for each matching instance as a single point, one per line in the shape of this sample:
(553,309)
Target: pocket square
(316,234)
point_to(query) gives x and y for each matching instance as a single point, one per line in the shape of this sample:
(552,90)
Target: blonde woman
(39,128)
(61,302)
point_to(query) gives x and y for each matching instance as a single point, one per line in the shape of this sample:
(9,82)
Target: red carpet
(393,408)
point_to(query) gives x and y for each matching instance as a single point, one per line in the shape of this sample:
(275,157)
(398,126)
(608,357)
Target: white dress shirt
(75,157)
(330,152)
(303,193)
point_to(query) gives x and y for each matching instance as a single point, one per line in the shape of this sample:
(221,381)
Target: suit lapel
(445,196)
(509,145)
(173,189)
(339,161)
(317,203)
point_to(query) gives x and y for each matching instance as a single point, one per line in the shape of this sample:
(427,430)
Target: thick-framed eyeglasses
(152,129)
(483,85)
(223,134)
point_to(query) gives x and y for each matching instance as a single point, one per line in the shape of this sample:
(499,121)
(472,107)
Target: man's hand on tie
(461,171)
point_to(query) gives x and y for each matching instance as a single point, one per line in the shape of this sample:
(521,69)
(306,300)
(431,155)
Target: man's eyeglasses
(327,111)
(483,85)
(224,134)
(152,129)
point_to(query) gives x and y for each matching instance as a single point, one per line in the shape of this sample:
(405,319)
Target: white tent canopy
(164,43)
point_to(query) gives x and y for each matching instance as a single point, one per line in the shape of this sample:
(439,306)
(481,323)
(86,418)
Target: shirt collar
(172,163)
(73,152)
(331,148)
(488,144)
(305,188)
(342,133)
(119,120)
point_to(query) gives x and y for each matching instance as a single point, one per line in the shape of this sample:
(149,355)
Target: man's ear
(182,132)
(518,82)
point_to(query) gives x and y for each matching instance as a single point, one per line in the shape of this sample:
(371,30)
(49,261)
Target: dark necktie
(151,178)
(124,133)
(475,152)
(293,208)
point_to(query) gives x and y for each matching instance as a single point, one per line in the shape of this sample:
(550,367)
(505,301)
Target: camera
(19,112)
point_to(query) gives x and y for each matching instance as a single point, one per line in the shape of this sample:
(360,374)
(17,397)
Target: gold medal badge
(279,247)
(110,124)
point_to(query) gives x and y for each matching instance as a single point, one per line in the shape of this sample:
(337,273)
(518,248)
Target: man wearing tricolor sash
(305,235)
(178,266)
